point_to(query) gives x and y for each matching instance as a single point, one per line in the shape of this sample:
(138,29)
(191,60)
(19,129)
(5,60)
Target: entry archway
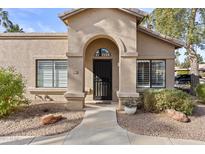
(101,71)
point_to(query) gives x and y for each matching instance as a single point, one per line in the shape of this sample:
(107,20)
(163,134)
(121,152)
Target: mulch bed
(26,121)
(161,125)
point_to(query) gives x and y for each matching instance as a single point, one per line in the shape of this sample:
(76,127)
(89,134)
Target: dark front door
(102,70)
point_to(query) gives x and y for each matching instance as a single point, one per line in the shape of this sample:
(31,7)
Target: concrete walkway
(98,127)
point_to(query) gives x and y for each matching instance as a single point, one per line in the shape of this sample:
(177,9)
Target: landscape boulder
(50,119)
(176,115)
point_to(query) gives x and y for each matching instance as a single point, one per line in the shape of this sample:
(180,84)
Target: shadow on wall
(44,98)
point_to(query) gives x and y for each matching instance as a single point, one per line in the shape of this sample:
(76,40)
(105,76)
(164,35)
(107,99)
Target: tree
(200,59)
(7,24)
(14,28)
(177,62)
(4,20)
(186,63)
(187,24)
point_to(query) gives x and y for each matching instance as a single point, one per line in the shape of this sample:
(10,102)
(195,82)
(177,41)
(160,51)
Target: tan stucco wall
(101,21)
(89,56)
(112,24)
(22,53)
(151,48)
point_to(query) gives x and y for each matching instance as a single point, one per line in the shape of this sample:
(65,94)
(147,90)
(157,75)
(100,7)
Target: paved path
(98,127)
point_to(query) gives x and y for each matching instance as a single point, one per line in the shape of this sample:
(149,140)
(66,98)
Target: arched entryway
(101,70)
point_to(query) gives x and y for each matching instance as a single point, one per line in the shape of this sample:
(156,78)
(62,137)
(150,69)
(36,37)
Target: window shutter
(151,73)
(143,73)
(45,74)
(52,73)
(158,73)
(60,75)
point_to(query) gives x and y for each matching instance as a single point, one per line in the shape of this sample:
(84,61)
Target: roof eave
(63,16)
(67,14)
(140,14)
(7,36)
(177,43)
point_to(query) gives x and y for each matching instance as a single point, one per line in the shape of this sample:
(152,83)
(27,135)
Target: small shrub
(11,91)
(158,100)
(200,92)
(149,100)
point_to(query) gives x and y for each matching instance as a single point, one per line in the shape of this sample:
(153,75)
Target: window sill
(48,91)
(142,89)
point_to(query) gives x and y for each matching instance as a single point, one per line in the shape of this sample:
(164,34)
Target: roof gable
(139,14)
(132,11)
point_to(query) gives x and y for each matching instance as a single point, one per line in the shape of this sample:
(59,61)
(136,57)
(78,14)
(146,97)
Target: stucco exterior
(21,52)
(88,30)
(152,48)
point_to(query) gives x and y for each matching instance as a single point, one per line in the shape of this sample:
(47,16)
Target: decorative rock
(170,112)
(50,119)
(176,115)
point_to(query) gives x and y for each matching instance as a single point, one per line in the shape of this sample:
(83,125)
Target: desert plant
(11,91)
(150,100)
(158,100)
(200,92)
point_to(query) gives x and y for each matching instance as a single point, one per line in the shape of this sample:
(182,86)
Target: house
(105,56)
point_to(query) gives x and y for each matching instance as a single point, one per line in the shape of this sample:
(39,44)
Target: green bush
(11,91)
(200,92)
(158,100)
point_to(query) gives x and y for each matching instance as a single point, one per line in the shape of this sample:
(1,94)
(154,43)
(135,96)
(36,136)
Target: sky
(38,19)
(47,20)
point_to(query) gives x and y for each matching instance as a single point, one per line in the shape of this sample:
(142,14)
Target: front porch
(101,72)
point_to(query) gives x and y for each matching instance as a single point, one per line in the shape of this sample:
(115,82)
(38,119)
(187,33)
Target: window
(151,73)
(52,73)
(102,52)
(143,73)
(158,73)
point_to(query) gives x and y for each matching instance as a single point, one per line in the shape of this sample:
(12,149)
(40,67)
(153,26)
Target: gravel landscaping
(161,125)
(26,121)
